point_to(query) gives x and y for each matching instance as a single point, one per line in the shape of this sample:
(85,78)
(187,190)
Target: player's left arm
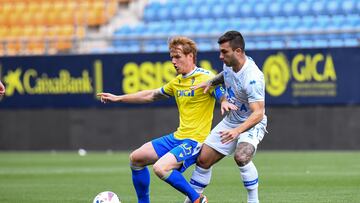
(218,92)
(258,110)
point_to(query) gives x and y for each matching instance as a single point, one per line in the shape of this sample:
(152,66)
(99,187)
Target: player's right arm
(217,80)
(145,96)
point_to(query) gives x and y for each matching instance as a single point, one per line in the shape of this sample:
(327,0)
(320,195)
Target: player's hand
(205,85)
(228,136)
(227,106)
(107,97)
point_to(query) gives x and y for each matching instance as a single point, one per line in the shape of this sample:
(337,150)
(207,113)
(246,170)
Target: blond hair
(188,46)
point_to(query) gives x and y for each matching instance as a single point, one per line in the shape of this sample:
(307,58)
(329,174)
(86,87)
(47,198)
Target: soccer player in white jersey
(244,126)
(169,153)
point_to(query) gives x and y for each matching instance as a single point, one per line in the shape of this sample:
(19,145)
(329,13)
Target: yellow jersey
(195,108)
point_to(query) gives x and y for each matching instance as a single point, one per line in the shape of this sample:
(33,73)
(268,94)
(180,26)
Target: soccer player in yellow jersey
(168,153)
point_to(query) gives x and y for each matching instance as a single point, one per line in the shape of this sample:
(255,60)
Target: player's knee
(203,162)
(159,170)
(242,159)
(136,159)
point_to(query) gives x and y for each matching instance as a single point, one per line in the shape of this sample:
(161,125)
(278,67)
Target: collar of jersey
(189,74)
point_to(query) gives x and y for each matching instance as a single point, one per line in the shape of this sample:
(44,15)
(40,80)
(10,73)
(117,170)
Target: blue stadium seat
(150,11)
(277,44)
(250,45)
(333,7)
(262,44)
(318,7)
(278,24)
(232,11)
(191,12)
(306,24)
(177,12)
(260,9)
(351,42)
(262,25)
(205,44)
(337,22)
(223,24)
(348,6)
(218,11)
(322,22)
(207,25)
(303,8)
(204,12)
(164,12)
(320,43)
(289,8)
(245,9)
(292,23)
(275,8)
(351,22)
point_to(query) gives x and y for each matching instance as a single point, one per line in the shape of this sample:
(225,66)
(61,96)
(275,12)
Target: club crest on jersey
(185,93)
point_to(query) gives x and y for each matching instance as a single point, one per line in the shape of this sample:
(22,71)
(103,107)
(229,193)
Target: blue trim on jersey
(251,182)
(163,92)
(194,182)
(218,93)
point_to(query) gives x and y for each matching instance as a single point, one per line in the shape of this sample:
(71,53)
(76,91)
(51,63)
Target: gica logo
(310,75)
(277,74)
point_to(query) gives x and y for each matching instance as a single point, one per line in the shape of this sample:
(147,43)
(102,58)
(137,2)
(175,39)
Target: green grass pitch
(285,176)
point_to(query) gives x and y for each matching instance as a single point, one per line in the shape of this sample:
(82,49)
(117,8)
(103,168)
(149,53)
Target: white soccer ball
(106,197)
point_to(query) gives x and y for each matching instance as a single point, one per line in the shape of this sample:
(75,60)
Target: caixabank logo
(307,75)
(34,81)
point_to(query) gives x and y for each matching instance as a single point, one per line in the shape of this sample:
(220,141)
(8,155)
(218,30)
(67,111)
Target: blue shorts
(182,149)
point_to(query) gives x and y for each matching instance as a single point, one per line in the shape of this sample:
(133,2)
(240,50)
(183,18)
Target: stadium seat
(289,8)
(218,11)
(318,7)
(303,8)
(333,7)
(260,9)
(348,6)
(274,9)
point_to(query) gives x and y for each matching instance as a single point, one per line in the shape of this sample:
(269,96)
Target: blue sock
(177,180)
(141,182)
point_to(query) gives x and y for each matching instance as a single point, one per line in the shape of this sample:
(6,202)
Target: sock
(141,182)
(200,179)
(249,176)
(177,180)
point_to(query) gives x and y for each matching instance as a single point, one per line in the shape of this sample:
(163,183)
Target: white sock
(200,179)
(249,176)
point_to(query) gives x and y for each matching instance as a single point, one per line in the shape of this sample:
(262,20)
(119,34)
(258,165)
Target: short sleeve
(167,89)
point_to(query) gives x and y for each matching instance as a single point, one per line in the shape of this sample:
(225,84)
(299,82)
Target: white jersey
(242,88)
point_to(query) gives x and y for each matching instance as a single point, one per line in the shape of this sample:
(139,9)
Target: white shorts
(253,136)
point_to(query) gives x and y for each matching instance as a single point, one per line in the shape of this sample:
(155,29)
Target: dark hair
(235,38)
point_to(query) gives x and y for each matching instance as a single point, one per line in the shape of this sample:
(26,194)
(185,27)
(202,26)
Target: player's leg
(211,152)
(244,153)
(167,167)
(139,159)
(201,175)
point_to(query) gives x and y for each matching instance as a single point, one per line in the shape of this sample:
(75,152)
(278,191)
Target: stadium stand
(49,26)
(39,26)
(266,24)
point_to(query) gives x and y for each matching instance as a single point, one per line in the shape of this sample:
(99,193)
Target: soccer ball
(106,197)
